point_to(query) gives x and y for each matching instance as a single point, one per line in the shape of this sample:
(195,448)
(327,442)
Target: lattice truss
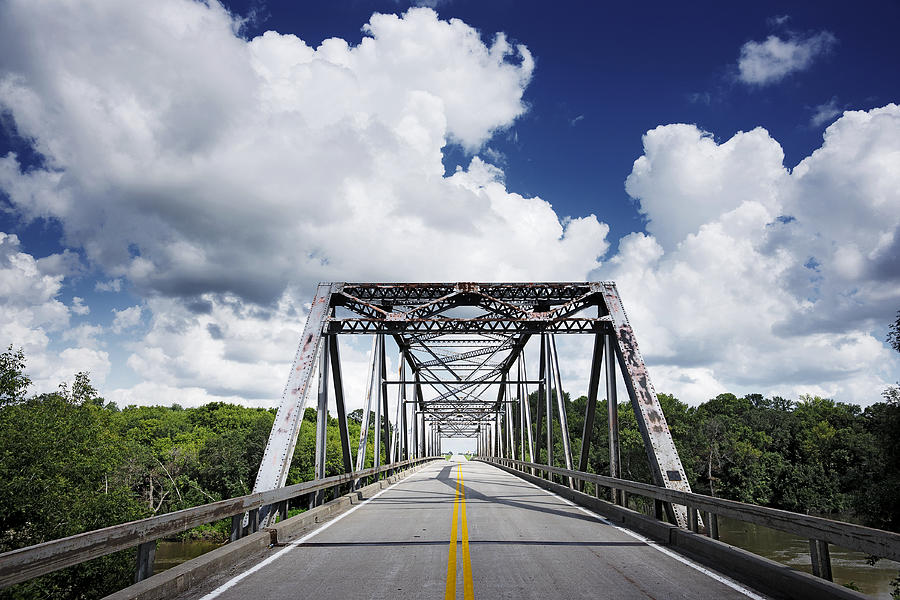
(463,370)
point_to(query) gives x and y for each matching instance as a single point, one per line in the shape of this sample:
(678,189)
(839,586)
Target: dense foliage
(70,462)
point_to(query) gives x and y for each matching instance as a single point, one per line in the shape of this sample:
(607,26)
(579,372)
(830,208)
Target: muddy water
(846,565)
(169,554)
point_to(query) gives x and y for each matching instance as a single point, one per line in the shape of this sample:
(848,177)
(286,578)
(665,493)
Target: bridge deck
(514,540)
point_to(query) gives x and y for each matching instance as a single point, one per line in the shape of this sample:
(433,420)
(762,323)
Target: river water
(847,566)
(170,554)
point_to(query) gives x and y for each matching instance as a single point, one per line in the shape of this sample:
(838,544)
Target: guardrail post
(712,525)
(693,521)
(146,552)
(821,559)
(237,527)
(659,510)
(253,522)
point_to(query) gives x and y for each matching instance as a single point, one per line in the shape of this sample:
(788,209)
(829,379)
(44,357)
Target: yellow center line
(459,506)
(450,589)
(468,585)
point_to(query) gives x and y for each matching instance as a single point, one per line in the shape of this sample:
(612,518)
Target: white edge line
(291,545)
(653,544)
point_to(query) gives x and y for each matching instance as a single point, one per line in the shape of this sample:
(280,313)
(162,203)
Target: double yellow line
(459,506)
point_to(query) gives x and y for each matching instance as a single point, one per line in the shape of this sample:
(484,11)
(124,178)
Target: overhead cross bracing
(463,372)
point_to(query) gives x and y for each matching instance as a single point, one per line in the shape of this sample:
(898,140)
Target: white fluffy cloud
(218,178)
(31,314)
(203,162)
(770,61)
(755,277)
(215,173)
(127,318)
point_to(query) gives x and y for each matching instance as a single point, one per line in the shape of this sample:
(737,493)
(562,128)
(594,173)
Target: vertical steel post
(561,404)
(591,408)
(378,387)
(404,437)
(510,431)
(364,430)
(527,404)
(420,409)
(548,395)
(322,416)
(386,416)
(615,464)
(338,381)
(539,407)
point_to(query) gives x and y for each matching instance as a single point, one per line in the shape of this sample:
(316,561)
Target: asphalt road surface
(469,530)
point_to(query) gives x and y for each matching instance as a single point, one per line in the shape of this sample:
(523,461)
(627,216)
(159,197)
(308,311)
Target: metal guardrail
(819,531)
(27,563)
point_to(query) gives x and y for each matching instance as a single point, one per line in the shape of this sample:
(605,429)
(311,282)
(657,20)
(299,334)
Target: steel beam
(590,410)
(665,464)
(338,381)
(279,450)
(322,416)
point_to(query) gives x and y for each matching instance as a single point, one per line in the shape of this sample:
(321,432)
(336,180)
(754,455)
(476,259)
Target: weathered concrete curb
(226,559)
(767,576)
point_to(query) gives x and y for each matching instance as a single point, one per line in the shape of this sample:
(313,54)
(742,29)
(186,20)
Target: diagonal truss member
(464,344)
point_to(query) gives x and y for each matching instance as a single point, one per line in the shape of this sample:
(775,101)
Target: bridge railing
(818,530)
(27,563)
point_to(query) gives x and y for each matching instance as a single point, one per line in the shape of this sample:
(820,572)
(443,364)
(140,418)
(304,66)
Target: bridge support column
(612,402)
(403,434)
(385,421)
(322,418)
(821,559)
(561,404)
(591,408)
(548,400)
(367,409)
(338,381)
(420,404)
(526,404)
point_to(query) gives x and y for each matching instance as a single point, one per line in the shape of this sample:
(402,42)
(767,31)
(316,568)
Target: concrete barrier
(233,557)
(767,576)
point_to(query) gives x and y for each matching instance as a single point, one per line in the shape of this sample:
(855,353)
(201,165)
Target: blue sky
(189,176)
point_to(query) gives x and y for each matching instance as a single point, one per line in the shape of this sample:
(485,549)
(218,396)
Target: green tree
(14,382)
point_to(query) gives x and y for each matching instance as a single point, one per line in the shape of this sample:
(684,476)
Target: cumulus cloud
(770,61)
(207,167)
(127,318)
(113,285)
(218,178)
(202,162)
(79,307)
(754,277)
(31,315)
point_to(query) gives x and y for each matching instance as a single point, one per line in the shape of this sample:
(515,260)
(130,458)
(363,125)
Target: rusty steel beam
(279,450)
(665,464)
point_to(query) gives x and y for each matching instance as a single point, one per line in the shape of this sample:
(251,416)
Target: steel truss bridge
(463,344)
(462,372)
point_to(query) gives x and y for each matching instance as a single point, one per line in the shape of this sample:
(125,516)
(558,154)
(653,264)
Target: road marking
(459,519)
(468,585)
(450,588)
(712,574)
(291,545)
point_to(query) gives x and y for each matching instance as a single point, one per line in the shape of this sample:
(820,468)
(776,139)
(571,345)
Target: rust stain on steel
(651,421)
(283,437)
